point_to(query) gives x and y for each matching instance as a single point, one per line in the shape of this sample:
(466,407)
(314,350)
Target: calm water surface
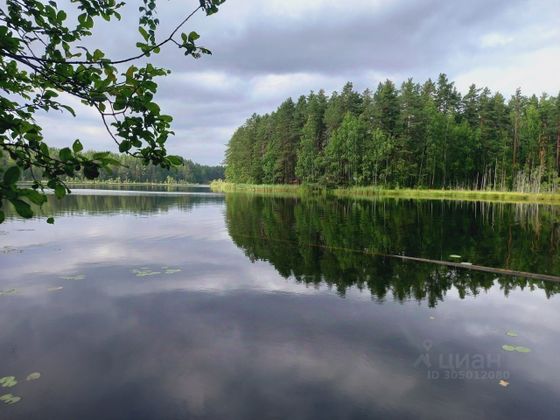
(188,304)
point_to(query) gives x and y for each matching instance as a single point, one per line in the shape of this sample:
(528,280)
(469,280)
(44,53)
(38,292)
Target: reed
(377,192)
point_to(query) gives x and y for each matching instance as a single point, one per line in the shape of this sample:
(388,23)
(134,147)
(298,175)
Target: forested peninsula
(425,135)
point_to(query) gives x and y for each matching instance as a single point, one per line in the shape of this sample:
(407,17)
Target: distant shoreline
(121,183)
(376,192)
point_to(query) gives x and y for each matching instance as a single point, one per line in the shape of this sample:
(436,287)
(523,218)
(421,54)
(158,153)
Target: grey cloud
(252,43)
(408,36)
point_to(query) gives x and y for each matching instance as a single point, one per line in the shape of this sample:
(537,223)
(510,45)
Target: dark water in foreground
(180,305)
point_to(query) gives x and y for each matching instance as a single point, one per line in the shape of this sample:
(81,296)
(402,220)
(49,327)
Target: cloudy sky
(267,50)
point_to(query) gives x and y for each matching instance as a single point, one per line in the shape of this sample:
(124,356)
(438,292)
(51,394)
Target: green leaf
(130,72)
(8,381)
(98,55)
(10,399)
(77,146)
(143,32)
(125,146)
(193,36)
(33,376)
(50,220)
(91,171)
(100,155)
(22,208)
(12,175)
(69,109)
(508,347)
(65,154)
(61,16)
(175,160)
(59,191)
(34,196)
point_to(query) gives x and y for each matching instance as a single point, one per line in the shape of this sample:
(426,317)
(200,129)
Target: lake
(189,304)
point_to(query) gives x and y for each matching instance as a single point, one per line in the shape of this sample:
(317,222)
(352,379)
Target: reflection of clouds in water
(490,316)
(237,354)
(119,239)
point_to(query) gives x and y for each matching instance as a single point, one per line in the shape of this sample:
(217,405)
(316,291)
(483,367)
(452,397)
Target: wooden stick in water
(503,271)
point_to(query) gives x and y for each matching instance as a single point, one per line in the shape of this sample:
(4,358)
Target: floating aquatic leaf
(519,349)
(511,334)
(8,292)
(10,399)
(504,383)
(33,376)
(454,256)
(55,289)
(145,272)
(8,381)
(76,277)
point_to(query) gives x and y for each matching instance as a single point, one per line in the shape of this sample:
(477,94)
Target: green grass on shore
(376,192)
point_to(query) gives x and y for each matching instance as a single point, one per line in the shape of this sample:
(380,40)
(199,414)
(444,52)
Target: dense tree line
(131,169)
(418,135)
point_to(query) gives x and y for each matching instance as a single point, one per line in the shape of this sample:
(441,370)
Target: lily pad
(55,289)
(8,292)
(10,399)
(519,349)
(33,376)
(511,334)
(145,272)
(454,256)
(76,277)
(8,381)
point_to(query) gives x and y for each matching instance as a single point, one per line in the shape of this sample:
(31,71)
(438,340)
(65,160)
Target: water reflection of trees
(319,241)
(76,204)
